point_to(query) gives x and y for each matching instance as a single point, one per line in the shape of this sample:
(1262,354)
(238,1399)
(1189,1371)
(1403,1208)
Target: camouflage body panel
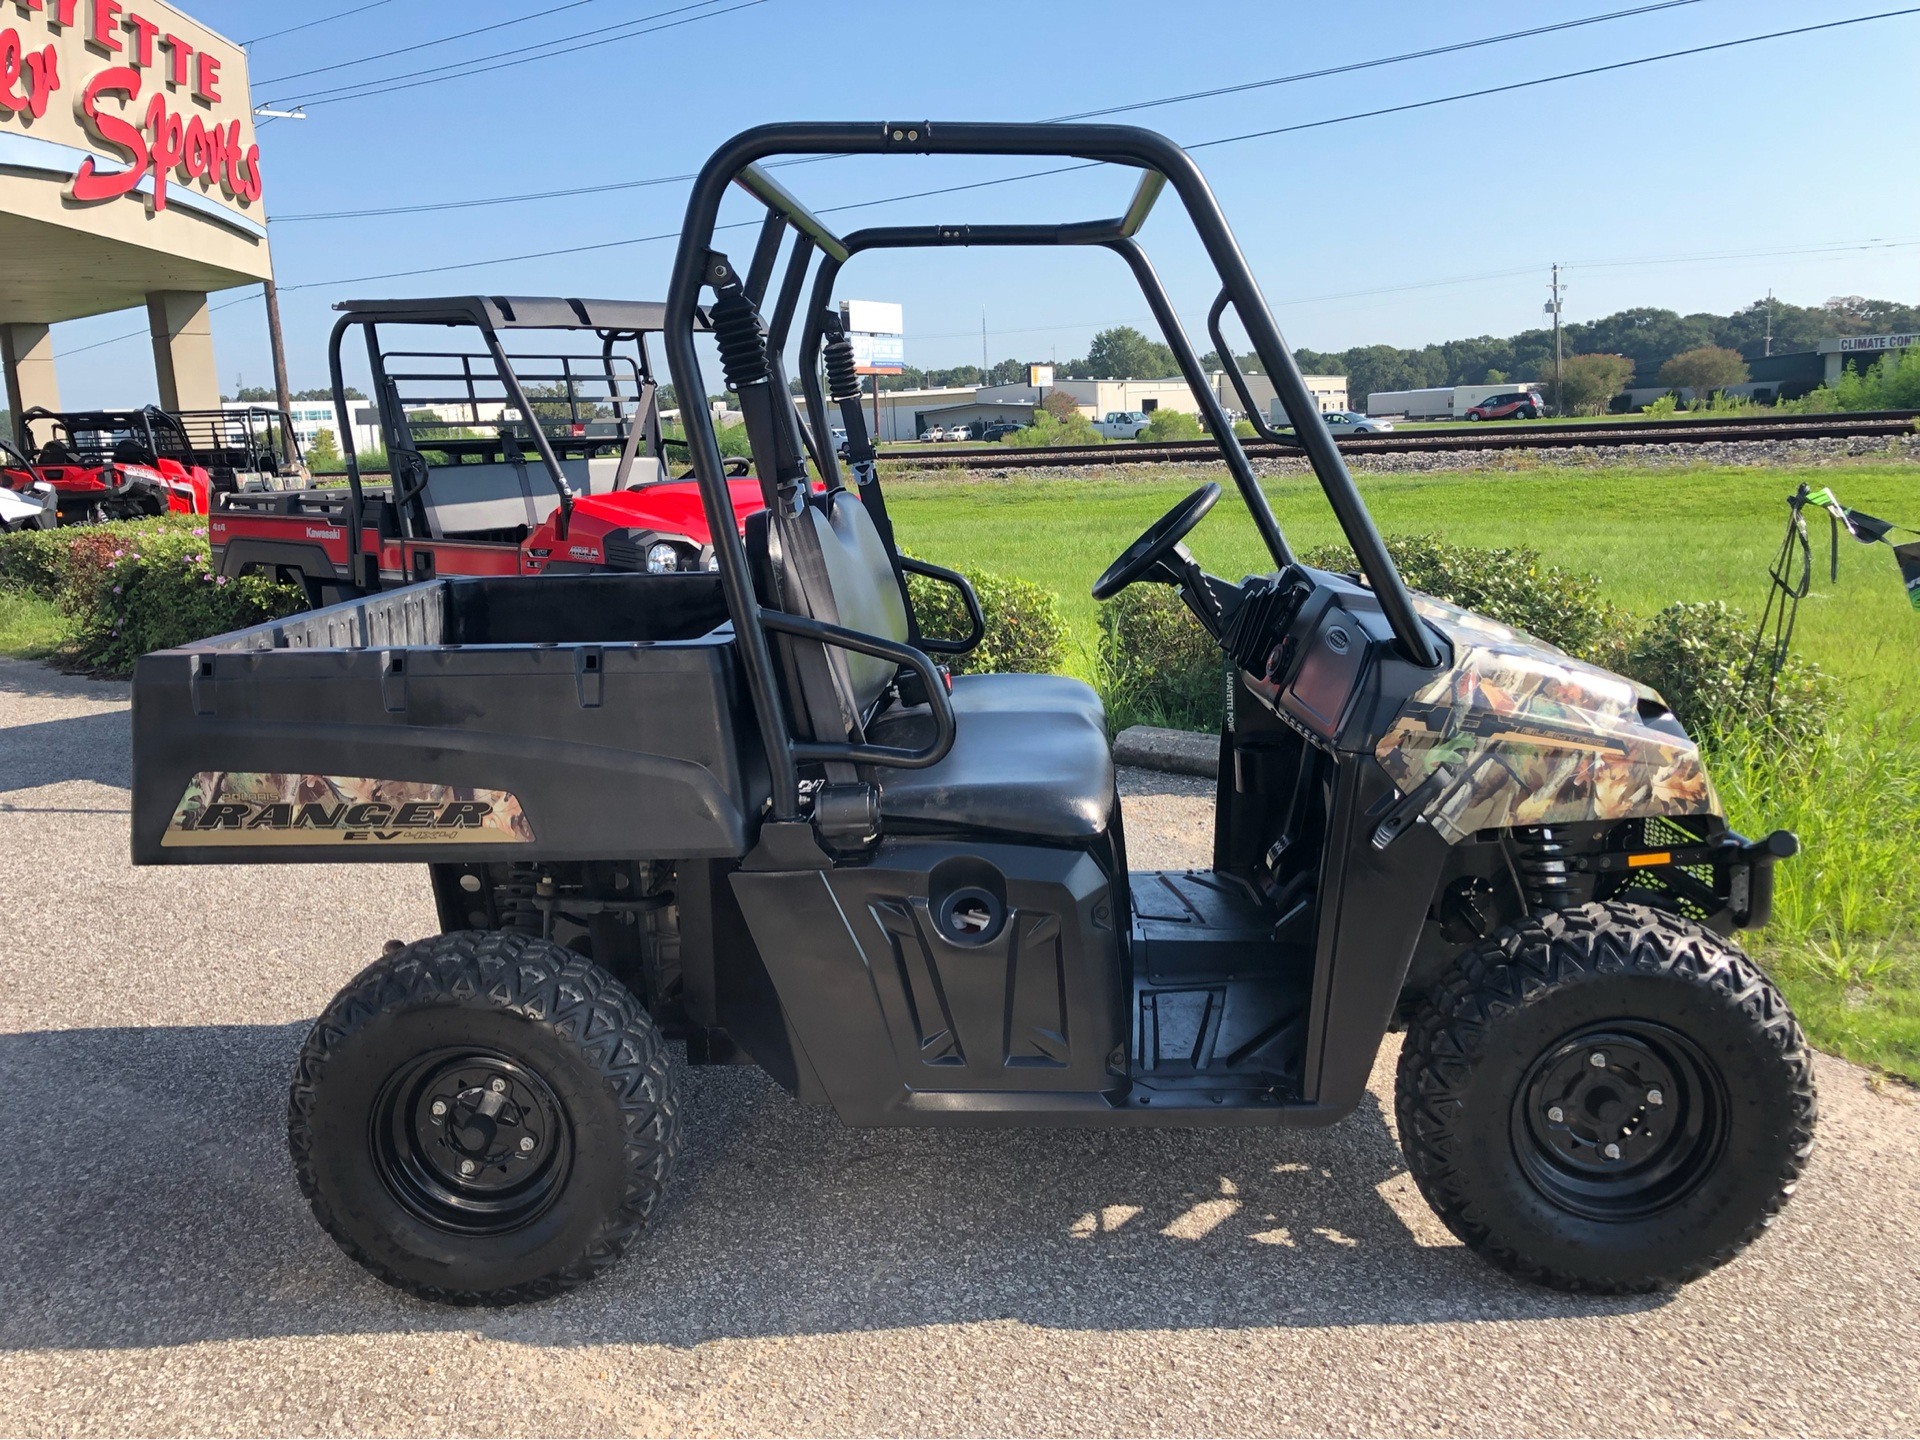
(230,807)
(1527,735)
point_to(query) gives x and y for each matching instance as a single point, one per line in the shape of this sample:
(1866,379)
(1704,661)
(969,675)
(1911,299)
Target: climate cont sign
(127,97)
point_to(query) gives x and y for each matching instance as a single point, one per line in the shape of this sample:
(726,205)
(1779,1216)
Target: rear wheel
(483,1118)
(1609,1099)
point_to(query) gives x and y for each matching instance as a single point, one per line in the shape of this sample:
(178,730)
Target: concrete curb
(1184,752)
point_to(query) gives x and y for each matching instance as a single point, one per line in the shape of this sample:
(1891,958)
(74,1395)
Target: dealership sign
(877,329)
(147,105)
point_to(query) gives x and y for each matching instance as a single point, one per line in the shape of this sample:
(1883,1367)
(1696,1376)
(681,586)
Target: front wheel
(483,1118)
(1609,1099)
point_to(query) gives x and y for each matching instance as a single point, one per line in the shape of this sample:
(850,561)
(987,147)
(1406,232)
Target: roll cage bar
(613,321)
(149,421)
(698,265)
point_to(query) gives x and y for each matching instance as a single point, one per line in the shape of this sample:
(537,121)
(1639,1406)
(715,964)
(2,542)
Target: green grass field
(1653,537)
(1844,944)
(30,627)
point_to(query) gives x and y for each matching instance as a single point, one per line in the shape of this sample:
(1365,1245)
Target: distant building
(310,417)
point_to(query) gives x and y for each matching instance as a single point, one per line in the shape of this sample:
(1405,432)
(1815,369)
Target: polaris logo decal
(233,808)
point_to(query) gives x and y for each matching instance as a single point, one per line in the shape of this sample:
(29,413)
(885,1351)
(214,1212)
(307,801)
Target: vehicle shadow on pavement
(149,1202)
(80,747)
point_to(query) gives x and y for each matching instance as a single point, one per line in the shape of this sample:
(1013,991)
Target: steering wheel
(1154,546)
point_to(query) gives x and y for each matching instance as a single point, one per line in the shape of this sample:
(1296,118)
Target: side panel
(1372,908)
(621,751)
(910,1019)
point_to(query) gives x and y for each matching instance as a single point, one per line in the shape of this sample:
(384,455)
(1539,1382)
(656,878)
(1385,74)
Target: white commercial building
(310,417)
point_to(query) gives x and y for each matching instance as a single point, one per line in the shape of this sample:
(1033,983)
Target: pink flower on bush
(220,580)
(116,589)
(198,530)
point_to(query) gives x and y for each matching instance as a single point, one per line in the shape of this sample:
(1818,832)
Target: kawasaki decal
(234,808)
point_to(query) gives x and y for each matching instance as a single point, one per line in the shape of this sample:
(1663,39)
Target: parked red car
(1514,405)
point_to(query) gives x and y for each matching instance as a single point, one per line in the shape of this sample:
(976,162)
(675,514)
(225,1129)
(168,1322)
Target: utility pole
(984,365)
(1769,349)
(1553,308)
(282,396)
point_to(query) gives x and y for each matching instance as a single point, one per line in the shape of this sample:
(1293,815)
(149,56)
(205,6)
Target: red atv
(118,464)
(545,460)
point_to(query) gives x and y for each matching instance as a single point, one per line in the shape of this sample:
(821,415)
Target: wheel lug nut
(526,1143)
(497,1085)
(1654,1097)
(1612,1152)
(1598,1059)
(467,1167)
(1556,1114)
(439,1107)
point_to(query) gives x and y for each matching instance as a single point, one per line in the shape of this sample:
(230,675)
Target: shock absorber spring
(743,345)
(842,383)
(1541,859)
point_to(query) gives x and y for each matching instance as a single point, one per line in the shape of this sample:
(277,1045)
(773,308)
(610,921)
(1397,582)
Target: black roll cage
(145,421)
(613,321)
(697,264)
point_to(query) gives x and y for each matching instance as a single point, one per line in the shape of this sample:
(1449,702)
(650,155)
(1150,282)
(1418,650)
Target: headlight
(662,558)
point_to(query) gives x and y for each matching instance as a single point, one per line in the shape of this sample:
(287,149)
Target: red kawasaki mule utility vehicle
(502,464)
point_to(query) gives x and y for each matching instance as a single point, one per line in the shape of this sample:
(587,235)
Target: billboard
(878,331)
(1040,376)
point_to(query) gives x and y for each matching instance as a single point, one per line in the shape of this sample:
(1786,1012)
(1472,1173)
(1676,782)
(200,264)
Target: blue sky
(1654,185)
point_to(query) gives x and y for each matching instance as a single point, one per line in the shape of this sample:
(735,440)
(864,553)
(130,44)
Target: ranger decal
(239,808)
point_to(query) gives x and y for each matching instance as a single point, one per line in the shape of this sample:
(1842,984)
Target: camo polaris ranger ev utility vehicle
(749,810)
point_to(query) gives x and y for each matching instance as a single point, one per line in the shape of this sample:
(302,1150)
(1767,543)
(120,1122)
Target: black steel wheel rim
(471,1141)
(1620,1121)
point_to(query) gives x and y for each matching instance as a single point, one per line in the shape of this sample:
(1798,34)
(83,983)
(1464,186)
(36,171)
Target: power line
(1198,145)
(424,44)
(137,334)
(466,69)
(1372,64)
(1088,114)
(308,25)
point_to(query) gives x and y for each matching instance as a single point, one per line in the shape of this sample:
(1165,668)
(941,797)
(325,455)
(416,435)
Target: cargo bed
(570,717)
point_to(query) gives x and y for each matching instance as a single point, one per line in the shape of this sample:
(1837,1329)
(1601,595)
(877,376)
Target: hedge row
(136,586)
(1160,668)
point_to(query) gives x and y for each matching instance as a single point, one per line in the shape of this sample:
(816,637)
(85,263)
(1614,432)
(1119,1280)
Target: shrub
(40,561)
(33,561)
(1244,429)
(1166,424)
(1892,384)
(1511,586)
(1157,666)
(1047,429)
(1697,656)
(1025,630)
(130,593)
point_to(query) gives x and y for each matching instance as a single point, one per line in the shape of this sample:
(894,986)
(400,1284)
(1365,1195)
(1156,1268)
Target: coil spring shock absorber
(842,383)
(743,346)
(1542,864)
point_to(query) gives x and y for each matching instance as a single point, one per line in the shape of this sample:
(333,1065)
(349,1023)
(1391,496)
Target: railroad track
(1493,435)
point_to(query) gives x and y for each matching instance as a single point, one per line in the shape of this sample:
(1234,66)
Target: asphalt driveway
(159,1273)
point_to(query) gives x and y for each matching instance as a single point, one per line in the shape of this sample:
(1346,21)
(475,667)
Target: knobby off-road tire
(1606,1026)
(483,1118)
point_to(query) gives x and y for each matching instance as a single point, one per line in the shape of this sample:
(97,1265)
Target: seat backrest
(846,580)
(865,594)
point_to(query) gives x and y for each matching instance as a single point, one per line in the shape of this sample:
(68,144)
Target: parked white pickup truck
(1123,424)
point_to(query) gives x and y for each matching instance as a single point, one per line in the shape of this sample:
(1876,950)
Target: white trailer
(1442,402)
(1434,404)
